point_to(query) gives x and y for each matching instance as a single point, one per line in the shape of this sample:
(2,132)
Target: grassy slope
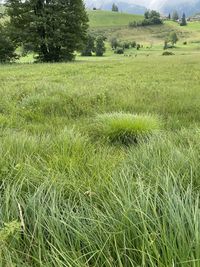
(115,24)
(99,18)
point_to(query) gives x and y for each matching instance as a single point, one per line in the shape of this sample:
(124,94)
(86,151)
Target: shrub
(167,53)
(133,44)
(138,46)
(125,128)
(126,45)
(119,51)
(114,43)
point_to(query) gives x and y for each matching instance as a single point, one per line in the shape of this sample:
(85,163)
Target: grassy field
(71,198)
(99,158)
(108,19)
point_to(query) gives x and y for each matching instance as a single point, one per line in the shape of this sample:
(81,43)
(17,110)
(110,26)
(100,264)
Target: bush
(125,128)
(138,46)
(114,43)
(119,51)
(133,44)
(167,53)
(126,45)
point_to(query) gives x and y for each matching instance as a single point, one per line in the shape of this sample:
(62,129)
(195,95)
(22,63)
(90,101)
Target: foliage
(55,29)
(114,43)
(119,50)
(133,44)
(126,45)
(7,47)
(150,18)
(100,46)
(8,231)
(115,8)
(173,38)
(89,47)
(183,20)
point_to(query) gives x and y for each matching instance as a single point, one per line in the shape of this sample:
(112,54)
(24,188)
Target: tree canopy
(53,29)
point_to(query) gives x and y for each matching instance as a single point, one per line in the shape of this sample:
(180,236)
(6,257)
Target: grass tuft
(125,128)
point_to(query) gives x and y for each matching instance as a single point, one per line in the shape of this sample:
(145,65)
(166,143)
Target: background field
(100,18)
(70,198)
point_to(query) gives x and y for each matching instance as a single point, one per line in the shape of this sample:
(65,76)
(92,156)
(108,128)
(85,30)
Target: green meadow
(100,18)
(100,157)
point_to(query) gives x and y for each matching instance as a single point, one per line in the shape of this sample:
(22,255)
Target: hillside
(100,18)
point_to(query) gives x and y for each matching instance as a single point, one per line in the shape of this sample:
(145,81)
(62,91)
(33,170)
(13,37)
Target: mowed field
(70,195)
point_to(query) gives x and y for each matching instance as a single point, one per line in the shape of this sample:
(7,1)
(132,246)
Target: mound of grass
(168,53)
(125,128)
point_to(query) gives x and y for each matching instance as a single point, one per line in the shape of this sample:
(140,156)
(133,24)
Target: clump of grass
(168,53)
(125,128)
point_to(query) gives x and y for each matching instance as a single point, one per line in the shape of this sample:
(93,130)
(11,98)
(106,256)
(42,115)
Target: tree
(7,48)
(183,20)
(100,46)
(114,43)
(89,47)
(54,28)
(115,8)
(146,14)
(175,16)
(169,16)
(173,38)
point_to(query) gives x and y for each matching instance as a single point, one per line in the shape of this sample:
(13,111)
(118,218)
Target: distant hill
(100,18)
(123,6)
(190,7)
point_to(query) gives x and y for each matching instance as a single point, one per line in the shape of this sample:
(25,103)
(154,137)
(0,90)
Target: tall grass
(67,201)
(130,224)
(125,128)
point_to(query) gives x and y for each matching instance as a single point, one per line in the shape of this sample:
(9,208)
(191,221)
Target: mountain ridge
(139,6)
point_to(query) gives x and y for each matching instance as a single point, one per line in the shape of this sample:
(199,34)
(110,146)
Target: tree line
(151,17)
